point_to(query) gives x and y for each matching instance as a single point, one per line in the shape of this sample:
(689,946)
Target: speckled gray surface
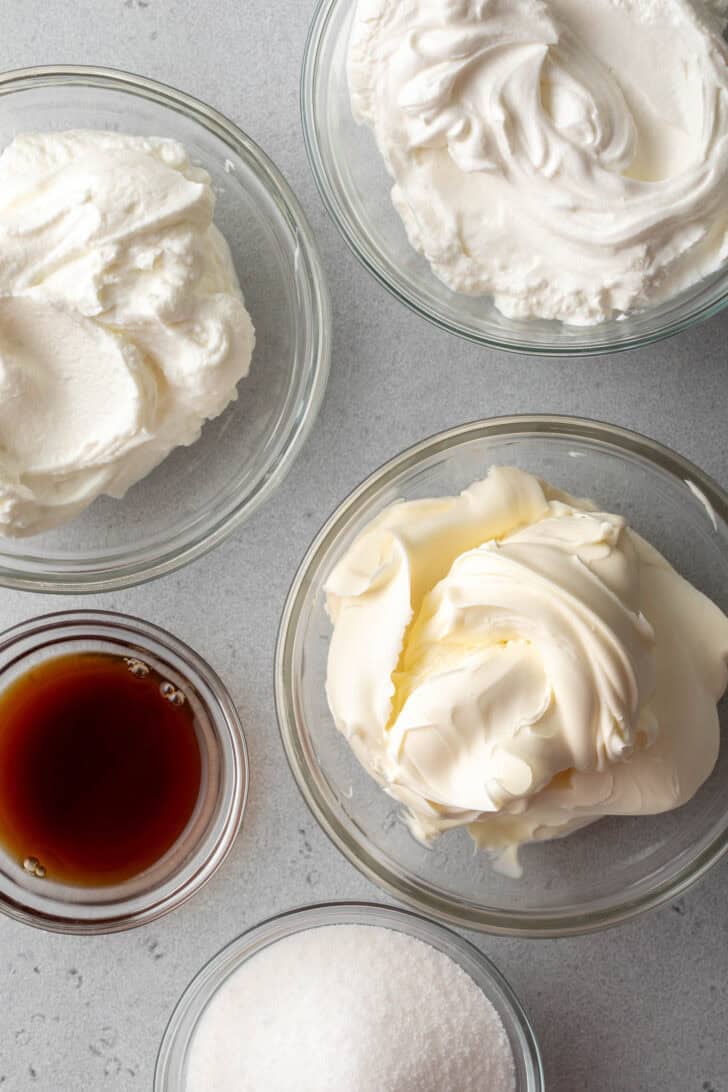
(643,1007)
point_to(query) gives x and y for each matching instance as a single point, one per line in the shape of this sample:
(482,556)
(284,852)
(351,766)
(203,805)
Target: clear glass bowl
(614,868)
(170,1074)
(199,494)
(355,188)
(209,835)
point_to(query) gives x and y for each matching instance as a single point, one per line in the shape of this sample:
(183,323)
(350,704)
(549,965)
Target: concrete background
(642,1007)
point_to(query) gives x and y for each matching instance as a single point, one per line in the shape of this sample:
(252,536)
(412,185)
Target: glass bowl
(355,187)
(199,494)
(170,1073)
(209,835)
(608,871)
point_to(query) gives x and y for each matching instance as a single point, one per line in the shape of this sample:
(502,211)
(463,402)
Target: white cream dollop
(122,324)
(515,661)
(567,157)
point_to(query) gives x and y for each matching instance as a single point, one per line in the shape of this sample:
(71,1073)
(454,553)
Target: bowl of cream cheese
(501,675)
(164,328)
(545,178)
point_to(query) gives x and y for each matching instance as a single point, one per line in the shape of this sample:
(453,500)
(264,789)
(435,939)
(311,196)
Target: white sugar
(350,1008)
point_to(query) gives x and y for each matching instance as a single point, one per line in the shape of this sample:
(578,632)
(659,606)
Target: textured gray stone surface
(643,1007)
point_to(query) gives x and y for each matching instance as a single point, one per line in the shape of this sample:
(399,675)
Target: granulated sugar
(350,1008)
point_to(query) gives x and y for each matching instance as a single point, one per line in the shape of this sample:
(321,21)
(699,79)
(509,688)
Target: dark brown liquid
(99,770)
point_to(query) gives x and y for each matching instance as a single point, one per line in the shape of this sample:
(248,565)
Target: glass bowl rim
(398,285)
(200,990)
(225,723)
(132,566)
(388,877)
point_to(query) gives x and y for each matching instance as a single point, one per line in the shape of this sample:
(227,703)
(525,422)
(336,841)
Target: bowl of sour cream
(164,325)
(521,173)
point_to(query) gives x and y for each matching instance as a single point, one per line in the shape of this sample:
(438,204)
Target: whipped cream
(515,661)
(567,157)
(122,323)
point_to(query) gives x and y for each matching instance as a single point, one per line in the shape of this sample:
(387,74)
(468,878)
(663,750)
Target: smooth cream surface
(122,324)
(515,661)
(567,157)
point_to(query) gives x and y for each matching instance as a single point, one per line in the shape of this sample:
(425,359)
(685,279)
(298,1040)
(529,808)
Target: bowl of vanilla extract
(123,772)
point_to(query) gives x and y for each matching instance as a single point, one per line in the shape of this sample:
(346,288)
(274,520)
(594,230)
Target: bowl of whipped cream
(541,177)
(164,324)
(501,675)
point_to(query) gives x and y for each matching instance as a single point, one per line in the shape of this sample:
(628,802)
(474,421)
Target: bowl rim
(130,567)
(208,979)
(353,846)
(580,344)
(225,722)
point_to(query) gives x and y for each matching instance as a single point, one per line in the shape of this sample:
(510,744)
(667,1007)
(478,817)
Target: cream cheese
(567,157)
(515,661)
(122,324)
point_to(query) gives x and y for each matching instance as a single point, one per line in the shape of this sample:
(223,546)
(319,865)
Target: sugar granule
(350,1008)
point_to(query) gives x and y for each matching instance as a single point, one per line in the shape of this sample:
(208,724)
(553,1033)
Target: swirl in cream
(515,661)
(567,157)
(122,323)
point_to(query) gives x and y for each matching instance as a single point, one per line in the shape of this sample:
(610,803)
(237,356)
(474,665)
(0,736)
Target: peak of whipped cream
(568,158)
(515,661)
(122,323)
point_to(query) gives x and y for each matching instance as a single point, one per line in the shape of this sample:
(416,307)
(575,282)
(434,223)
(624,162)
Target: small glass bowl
(355,187)
(199,494)
(170,1073)
(610,870)
(209,835)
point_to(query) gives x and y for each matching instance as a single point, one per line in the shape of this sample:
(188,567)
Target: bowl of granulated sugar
(349,997)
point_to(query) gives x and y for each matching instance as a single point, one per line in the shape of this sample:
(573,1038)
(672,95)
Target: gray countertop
(640,1007)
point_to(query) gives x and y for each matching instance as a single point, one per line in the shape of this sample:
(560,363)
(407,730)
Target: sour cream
(122,323)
